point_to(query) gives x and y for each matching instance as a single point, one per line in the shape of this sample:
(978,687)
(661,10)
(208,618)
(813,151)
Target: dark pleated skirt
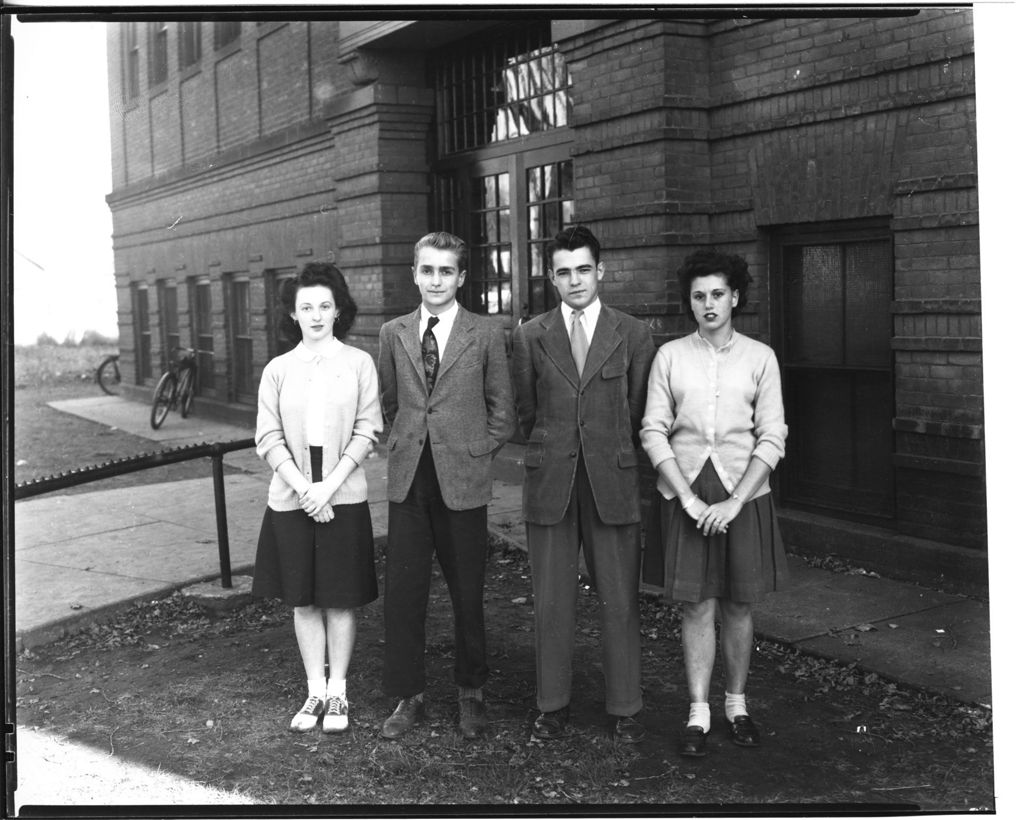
(304,563)
(741,565)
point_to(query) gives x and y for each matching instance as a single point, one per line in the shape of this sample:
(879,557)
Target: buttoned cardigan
(721,404)
(352,423)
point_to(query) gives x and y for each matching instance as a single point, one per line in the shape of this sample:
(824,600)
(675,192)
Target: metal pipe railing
(147,461)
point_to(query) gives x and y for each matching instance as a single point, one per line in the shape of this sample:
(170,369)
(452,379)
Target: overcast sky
(63,262)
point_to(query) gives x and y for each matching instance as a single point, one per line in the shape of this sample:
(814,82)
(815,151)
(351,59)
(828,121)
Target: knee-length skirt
(306,563)
(742,564)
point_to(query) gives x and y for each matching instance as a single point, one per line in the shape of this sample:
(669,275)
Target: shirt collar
(445,317)
(329,352)
(700,340)
(590,312)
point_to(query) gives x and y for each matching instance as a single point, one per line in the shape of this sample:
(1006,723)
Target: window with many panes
(504,180)
(513,86)
(190,44)
(157,53)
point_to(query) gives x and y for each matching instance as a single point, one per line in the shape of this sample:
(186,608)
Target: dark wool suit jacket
(564,416)
(468,416)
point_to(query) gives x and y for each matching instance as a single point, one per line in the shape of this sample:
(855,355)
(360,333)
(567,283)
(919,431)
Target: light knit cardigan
(352,425)
(724,405)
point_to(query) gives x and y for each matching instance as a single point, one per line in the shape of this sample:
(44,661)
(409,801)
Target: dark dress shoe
(693,742)
(407,714)
(472,718)
(744,732)
(551,725)
(626,729)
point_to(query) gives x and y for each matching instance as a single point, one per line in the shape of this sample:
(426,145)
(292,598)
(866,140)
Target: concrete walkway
(80,557)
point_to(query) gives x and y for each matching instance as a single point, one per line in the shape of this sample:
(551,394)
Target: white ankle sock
(336,688)
(700,715)
(735,705)
(317,688)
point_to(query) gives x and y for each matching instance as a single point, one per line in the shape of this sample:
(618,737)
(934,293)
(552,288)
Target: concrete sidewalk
(78,558)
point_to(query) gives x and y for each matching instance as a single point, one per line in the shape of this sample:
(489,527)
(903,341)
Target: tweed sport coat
(468,415)
(597,416)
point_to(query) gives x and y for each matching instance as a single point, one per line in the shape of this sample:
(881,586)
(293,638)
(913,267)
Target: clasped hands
(714,519)
(316,502)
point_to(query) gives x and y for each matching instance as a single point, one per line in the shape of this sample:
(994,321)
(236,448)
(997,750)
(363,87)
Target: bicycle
(176,388)
(108,375)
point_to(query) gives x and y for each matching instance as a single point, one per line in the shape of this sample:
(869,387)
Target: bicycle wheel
(186,392)
(163,398)
(108,376)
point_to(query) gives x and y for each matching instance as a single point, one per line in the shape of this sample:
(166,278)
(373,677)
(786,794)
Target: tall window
(277,343)
(226,32)
(140,326)
(190,44)
(240,326)
(835,290)
(549,197)
(157,53)
(514,86)
(130,88)
(504,181)
(167,305)
(201,309)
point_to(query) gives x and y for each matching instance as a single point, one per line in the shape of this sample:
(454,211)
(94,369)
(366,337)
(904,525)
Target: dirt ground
(167,687)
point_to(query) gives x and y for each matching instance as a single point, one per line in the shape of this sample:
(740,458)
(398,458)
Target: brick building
(837,154)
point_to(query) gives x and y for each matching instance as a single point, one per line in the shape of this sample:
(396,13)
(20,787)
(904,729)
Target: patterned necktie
(431,356)
(578,341)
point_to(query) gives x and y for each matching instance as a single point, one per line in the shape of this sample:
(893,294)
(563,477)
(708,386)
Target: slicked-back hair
(570,239)
(312,274)
(709,262)
(442,241)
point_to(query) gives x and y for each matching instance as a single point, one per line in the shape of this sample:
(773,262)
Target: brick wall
(690,134)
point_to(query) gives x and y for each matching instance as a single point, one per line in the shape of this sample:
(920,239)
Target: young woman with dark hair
(319,416)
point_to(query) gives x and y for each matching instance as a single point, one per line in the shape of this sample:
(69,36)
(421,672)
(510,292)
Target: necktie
(578,341)
(431,356)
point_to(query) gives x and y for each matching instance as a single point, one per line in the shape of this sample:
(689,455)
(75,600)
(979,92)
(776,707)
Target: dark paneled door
(834,293)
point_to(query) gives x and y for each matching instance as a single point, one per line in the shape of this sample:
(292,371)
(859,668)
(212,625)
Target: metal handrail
(146,461)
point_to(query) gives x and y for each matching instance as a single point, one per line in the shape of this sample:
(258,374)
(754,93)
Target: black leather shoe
(693,742)
(472,718)
(407,714)
(626,729)
(744,732)
(551,725)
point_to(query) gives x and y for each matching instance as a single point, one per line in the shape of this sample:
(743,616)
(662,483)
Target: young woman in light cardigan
(319,416)
(714,428)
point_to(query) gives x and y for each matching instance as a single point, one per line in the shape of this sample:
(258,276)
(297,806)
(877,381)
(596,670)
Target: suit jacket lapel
(458,340)
(555,342)
(606,339)
(409,335)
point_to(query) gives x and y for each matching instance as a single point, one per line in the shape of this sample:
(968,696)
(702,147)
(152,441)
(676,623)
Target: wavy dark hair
(316,273)
(708,263)
(571,239)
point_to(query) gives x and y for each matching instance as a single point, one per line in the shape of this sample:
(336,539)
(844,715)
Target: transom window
(514,86)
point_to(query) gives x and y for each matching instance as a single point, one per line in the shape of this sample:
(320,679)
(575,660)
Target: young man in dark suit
(580,378)
(446,392)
